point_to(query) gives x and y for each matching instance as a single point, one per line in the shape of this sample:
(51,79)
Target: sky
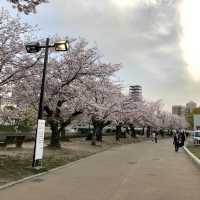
(156,41)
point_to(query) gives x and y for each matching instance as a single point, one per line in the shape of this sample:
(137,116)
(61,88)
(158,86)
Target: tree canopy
(26,6)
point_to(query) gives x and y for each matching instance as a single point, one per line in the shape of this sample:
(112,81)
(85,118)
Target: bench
(14,138)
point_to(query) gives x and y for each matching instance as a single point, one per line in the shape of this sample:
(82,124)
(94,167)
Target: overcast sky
(157,41)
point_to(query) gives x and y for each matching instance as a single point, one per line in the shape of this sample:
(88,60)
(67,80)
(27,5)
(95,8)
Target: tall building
(178,110)
(190,106)
(135,92)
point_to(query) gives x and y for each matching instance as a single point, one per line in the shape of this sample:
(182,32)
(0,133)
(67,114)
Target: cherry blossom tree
(153,109)
(103,96)
(19,117)
(177,122)
(132,114)
(13,59)
(142,114)
(26,6)
(136,116)
(121,116)
(127,116)
(66,80)
(166,120)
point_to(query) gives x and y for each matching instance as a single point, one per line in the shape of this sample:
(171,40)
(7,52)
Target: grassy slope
(195,149)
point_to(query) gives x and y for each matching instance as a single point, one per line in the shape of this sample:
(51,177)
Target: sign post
(39,143)
(41,122)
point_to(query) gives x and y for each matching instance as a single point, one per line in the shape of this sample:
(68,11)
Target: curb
(192,156)
(21,180)
(13,183)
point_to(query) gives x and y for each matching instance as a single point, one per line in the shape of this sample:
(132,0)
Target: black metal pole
(41,105)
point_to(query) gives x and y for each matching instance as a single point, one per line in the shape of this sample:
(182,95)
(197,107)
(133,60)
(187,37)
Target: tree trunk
(64,137)
(55,136)
(98,127)
(127,130)
(90,134)
(63,134)
(99,131)
(93,137)
(55,118)
(148,131)
(132,128)
(118,132)
(161,132)
(143,131)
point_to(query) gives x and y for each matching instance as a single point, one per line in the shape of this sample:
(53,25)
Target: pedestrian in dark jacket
(176,141)
(182,139)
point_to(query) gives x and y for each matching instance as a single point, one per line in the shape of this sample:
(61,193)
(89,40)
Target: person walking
(155,137)
(182,139)
(176,141)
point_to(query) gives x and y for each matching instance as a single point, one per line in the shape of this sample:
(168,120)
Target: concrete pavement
(143,171)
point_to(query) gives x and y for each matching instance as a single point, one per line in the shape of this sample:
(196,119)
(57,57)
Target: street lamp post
(34,48)
(40,111)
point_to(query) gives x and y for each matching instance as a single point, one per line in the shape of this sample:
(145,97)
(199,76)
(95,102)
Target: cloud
(190,39)
(143,35)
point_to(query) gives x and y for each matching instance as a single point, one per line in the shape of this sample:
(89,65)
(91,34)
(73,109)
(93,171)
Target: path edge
(13,183)
(192,156)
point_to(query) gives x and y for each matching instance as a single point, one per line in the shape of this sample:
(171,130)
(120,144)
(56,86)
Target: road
(142,171)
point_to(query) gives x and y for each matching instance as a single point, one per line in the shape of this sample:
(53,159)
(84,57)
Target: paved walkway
(143,171)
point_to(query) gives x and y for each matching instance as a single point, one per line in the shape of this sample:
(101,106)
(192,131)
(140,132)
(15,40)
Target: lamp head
(33,47)
(61,45)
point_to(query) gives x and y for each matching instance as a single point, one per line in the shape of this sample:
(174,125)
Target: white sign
(40,139)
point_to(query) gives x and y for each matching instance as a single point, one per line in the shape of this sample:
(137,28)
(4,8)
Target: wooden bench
(14,138)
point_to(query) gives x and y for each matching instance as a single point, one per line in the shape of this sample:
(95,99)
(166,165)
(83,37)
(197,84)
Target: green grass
(15,168)
(9,129)
(16,163)
(195,149)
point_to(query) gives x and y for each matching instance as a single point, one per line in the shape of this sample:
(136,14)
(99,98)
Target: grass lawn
(195,149)
(16,163)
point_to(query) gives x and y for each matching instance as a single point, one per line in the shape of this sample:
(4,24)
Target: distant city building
(178,110)
(196,122)
(135,92)
(190,106)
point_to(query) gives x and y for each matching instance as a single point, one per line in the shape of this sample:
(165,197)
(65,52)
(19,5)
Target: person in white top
(154,137)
